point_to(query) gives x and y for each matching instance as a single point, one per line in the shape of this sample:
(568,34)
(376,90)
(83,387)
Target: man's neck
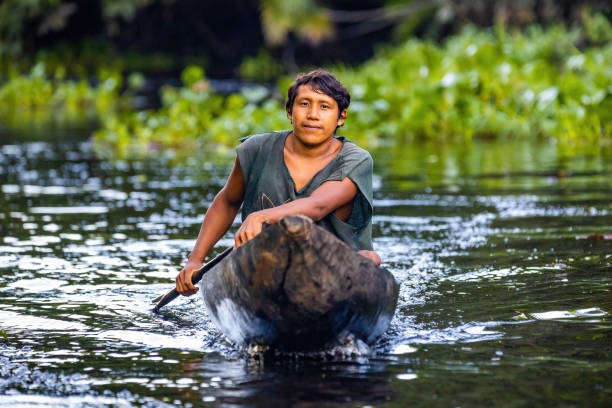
(326,148)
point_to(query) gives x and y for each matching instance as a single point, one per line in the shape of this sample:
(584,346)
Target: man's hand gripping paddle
(195,278)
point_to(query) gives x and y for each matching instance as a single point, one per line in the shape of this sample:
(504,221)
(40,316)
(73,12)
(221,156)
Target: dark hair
(323,81)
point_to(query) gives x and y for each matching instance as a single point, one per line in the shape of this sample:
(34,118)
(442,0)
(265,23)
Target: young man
(306,170)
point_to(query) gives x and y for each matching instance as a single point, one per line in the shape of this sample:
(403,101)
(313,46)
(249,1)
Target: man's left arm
(330,196)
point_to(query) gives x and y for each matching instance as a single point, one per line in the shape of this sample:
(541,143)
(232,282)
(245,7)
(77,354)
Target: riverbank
(539,83)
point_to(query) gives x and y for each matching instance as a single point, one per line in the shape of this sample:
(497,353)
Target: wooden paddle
(195,278)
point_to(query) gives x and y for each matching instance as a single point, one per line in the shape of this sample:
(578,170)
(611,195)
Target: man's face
(315,116)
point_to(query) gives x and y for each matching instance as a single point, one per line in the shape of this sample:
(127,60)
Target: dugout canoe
(297,287)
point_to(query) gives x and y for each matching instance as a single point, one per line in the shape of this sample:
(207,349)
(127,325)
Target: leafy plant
(547,83)
(495,83)
(261,67)
(34,100)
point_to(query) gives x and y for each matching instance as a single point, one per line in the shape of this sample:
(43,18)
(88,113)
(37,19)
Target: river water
(503,252)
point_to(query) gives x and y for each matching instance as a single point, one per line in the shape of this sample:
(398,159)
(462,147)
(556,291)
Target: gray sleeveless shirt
(268,183)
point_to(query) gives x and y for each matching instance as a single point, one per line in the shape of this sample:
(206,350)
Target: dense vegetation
(34,101)
(499,83)
(222,33)
(479,84)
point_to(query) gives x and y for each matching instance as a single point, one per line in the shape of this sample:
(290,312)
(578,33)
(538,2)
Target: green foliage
(190,119)
(303,17)
(260,68)
(83,59)
(136,81)
(52,15)
(191,75)
(497,83)
(485,84)
(13,16)
(77,60)
(598,28)
(33,100)
(122,8)
(479,84)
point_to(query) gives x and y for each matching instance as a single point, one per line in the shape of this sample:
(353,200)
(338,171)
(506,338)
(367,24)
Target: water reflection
(500,286)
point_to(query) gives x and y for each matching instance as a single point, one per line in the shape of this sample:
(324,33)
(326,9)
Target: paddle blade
(167,298)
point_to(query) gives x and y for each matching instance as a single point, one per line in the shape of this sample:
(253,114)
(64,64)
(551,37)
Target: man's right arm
(217,221)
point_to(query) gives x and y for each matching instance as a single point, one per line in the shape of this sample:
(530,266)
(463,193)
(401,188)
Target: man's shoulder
(351,153)
(262,138)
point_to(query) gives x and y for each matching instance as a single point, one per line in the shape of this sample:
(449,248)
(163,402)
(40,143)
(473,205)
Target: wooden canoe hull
(296,286)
